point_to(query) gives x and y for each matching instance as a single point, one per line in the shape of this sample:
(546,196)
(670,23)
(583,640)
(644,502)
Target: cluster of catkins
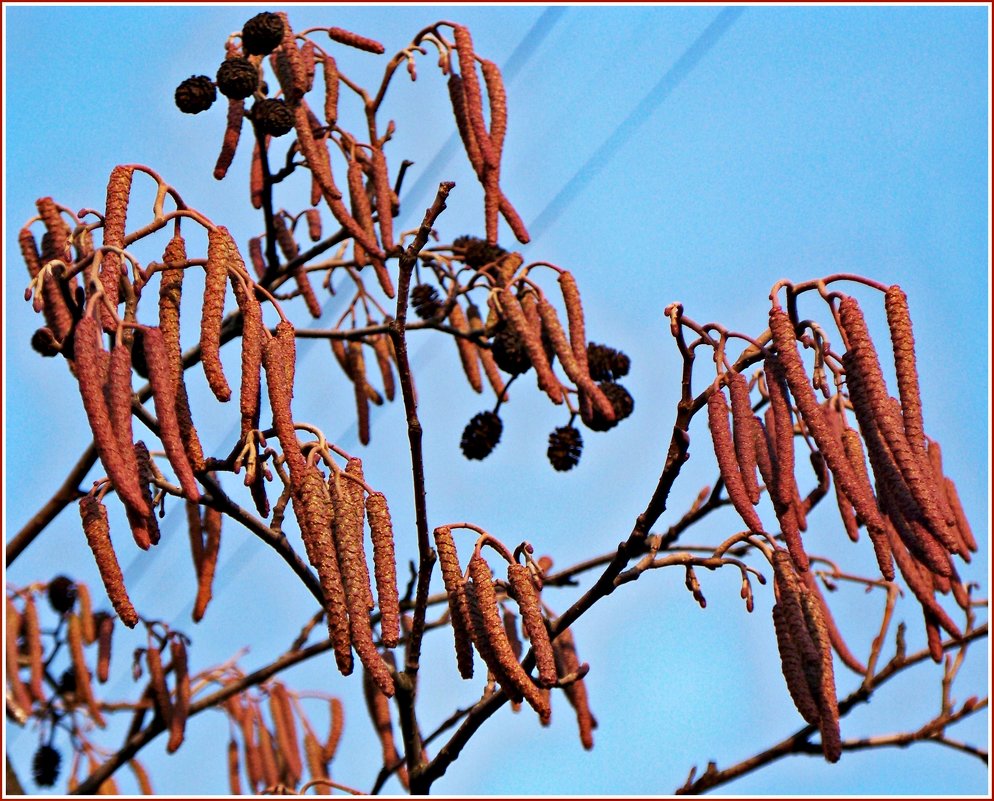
(909,508)
(477,623)
(31,689)
(271,754)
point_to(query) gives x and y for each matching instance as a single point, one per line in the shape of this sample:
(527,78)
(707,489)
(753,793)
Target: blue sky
(770,142)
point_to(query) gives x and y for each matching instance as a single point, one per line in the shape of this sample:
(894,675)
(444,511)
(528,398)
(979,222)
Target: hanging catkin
(381,347)
(520,579)
(253,340)
(351,39)
(568,663)
(378,707)
(279,357)
(472,94)
(467,350)
(513,312)
(336,724)
(115,220)
(852,447)
(232,133)
(384,197)
(330,70)
(315,765)
(208,561)
(146,477)
(384,568)
(157,681)
(288,64)
(782,331)
(482,641)
(105,640)
(455,588)
(357,372)
(724,450)
(219,245)
(181,706)
(256,176)
(84,689)
(18,696)
(89,364)
(457,96)
(57,315)
(497,100)
(361,209)
(97,530)
(903,342)
(164,398)
(281,711)
(234,769)
(32,641)
(742,433)
(267,753)
(815,596)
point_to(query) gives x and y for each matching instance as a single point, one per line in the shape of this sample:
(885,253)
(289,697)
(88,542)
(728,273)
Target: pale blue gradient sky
(787,143)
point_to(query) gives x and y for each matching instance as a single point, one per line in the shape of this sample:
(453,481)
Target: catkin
(234,769)
(84,689)
(115,220)
(267,754)
(330,70)
(288,64)
(181,706)
(281,711)
(32,640)
(18,694)
(457,97)
(361,209)
(313,219)
(57,315)
(256,257)
(467,350)
(792,667)
(105,641)
(384,568)
(141,777)
(219,245)
(278,357)
(530,605)
(89,364)
(742,434)
(164,398)
(232,133)
(384,197)
(567,663)
(97,530)
(357,372)
(814,595)
(853,448)
(157,681)
(721,436)
(378,708)
(253,340)
(513,311)
(381,347)
(782,331)
(351,39)
(497,100)
(208,562)
(455,588)
(472,94)
(492,642)
(85,613)
(256,176)
(482,642)
(903,342)
(336,724)
(962,524)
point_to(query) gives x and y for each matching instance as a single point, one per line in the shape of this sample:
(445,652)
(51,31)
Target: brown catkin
(146,476)
(455,588)
(962,524)
(315,764)
(336,724)
(85,603)
(792,668)
(97,530)
(157,681)
(782,331)
(288,64)
(330,71)
(219,246)
(57,315)
(141,777)
(279,357)
(497,100)
(351,39)
(472,94)
(84,689)
(256,175)
(89,364)
(267,753)
(492,371)
(181,706)
(357,372)
(307,54)
(18,694)
(903,342)
(253,340)
(530,605)
(513,311)
(835,636)
(934,636)
(115,221)
(511,630)
(208,563)
(195,527)
(313,220)
(742,433)
(483,644)
(281,711)
(467,350)
(234,769)
(853,449)
(724,449)
(362,210)
(381,347)
(457,97)
(164,398)
(256,257)
(32,640)
(232,133)
(105,641)
(384,197)
(861,360)
(384,567)
(378,707)
(568,662)
(492,642)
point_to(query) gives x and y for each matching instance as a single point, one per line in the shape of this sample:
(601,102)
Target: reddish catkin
(934,637)
(278,357)
(903,342)
(105,642)
(146,477)
(384,567)
(357,372)
(455,588)
(574,318)
(256,176)
(526,593)
(307,53)
(234,768)
(378,707)
(568,663)
(195,527)
(497,99)
(330,71)
(157,681)
(85,604)
(467,350)
(852,446)
(215,285)
(84,689)
(514,220)
(962,524)
(742,434)
(57,315)
(482,641)
(351,39)
(361,208)
(513,311)
(164,398)
(267,753)
(492,372)
(457,97)
(814,595)
(721,436)
(313,219)
(256,257)
(315,765)
(89,360)
(97,530)
(782,331)
(511,630)
(18,694)
(32,640)
(381,347)
(792,667)
(208,563)
(115,221)
(181,706)
(281,711)
(472,94)
(253,340)
(288,64)
(336,724)
(861,359)
(384,197)
(232,133)
(490,630)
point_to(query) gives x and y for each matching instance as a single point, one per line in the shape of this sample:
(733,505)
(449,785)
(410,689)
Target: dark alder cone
(272,117)
(621,401)
(606,364)
(565,446)
(67,682)
(45,766)
(195,94)
(138,353)
(62,594)
(45,343)
(262,33)
(481,435)
(476,252)
(509,351)
(425,301)
(237,78)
